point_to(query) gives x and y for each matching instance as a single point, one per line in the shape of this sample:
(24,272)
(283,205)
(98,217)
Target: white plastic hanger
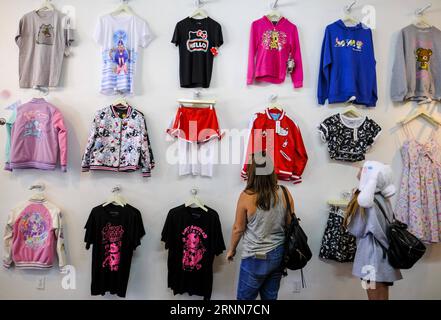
(199,11)
(341,203)
(420,19)
(39,195)
(348,19)
(121,101)
(274,104)
(274,15)
(116,198)
(351,111)
(196,100)
(123,8)
(421,112)
(40,92)
(195,201)
(46,6)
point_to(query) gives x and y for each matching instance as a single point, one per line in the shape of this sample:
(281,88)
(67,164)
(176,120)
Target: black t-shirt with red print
(114,232)
(193,237)
(198,40)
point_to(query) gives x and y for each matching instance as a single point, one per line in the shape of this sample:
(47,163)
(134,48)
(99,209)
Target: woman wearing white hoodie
(365,220)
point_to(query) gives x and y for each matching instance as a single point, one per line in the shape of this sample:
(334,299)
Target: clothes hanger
(273,99)
(195,201)
(38,196)
(348,19)
(123,8)
(46,6)
(121,101)
(421,112)
(420,19)
(196,100)
(199,11)
(40,92)
(274,15)
(338,203)
(116,198)
(351,111)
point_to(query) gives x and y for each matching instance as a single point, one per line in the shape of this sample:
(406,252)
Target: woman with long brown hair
(261,217)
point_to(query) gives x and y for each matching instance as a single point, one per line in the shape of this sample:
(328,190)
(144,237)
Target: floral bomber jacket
(118,141)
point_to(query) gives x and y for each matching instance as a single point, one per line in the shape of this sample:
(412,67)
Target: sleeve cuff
(249,81)
(322,101)
(298,84)
(64,168)
(296,179)
(6,264)
(8,167)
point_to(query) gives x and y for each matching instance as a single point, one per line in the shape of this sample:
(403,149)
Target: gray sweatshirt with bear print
(416,73)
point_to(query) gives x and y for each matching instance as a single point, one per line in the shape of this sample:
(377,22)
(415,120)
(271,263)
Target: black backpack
(404,248)
(297,252)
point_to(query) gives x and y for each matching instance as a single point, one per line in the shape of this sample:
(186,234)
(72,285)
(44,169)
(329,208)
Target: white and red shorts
(195,124)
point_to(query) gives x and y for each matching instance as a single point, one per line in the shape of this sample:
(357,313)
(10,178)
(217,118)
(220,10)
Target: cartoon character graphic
(34,229)
(423,58)
(112,241)
(194,249)
(33,128)
(113,256)
(198,41)
(34,124)
(340,44)
(274,40)
(120,54)
(45,35)
(355,45)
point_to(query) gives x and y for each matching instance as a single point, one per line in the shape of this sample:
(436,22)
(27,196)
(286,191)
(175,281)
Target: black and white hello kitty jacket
(118,141)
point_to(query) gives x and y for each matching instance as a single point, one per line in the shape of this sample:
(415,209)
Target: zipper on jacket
(120,144)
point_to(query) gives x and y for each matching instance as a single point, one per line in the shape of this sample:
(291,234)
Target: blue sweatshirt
(347,66)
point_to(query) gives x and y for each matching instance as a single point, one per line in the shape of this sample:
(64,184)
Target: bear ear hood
(375,177)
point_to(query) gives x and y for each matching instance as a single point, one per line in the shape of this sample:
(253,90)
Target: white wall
(158,88)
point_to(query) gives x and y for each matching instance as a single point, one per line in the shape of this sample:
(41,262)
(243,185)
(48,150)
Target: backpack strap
(288,203)
(383,211)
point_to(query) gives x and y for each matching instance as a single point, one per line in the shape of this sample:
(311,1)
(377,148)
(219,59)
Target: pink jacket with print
(37,136)
(33,233)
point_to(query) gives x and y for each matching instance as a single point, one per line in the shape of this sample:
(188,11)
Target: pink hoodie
(38,135)
(271,45)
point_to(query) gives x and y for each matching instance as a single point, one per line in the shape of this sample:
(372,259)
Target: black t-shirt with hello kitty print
(198,40)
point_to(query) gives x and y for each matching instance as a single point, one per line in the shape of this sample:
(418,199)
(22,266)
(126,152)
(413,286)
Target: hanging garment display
(349,138)
(119,141)
(337,243)
(274,132)
(36,137)
(274,52)
(198,41)
(193,238)
(120,39)
(33,234)
(419,201)
(43,40)
(197,130)
(347,66)
(115,232)
(416,74)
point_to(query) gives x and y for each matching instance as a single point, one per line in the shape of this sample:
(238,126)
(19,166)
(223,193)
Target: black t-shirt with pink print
(193,237)
(114,232)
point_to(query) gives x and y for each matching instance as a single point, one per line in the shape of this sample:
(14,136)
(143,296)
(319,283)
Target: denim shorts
(261,275)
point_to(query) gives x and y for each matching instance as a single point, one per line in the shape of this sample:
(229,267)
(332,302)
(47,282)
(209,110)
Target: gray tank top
(265,230)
